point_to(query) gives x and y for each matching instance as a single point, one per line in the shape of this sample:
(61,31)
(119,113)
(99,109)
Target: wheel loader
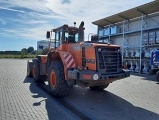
(74,61)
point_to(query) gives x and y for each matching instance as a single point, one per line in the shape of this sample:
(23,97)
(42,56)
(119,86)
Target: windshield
(71,37)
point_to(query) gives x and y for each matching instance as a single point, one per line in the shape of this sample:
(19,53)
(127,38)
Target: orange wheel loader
(74,61)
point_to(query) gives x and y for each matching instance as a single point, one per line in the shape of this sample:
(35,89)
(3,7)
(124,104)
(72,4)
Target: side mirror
(48,34)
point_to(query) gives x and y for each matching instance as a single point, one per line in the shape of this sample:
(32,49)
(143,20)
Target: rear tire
(57,83)
(157,76)
(99,88)
(29,69)
(36,73)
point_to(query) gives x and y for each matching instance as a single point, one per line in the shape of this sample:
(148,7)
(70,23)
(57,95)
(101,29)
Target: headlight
(95,77)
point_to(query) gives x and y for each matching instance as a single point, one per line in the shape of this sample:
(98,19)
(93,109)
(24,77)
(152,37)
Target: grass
(17,56)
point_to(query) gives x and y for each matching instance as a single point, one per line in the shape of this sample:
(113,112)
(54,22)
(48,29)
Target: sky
(24,22)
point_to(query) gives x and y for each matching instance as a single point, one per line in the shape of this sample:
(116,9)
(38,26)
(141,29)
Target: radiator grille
(109,60)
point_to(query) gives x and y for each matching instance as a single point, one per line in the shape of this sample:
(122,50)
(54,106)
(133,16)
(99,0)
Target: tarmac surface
(133,98)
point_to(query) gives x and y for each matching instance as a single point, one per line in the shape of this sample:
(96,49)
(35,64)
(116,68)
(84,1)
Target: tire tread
(62,88)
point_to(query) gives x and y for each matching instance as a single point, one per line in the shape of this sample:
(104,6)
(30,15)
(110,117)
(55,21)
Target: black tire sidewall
(29,69)
(61,88)
(54,90)
(157,76)
(35,63)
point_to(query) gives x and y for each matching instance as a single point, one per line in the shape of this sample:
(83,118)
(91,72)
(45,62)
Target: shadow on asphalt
(104,104)
(145,76)
(52,112)
(97,105)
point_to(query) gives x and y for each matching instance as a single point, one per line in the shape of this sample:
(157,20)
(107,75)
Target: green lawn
(17,56)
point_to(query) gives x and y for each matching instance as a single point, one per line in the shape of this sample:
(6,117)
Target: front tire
(57,83)
(99,88)
(36,73)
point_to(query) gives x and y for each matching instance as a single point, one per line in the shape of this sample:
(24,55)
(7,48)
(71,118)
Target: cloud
(4,8)
(36,33)
(66,1)
(36,5)
(90,10)
(34,17)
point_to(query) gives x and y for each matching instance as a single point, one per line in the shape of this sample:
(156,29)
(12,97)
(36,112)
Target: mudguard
(68,62)
(42,58)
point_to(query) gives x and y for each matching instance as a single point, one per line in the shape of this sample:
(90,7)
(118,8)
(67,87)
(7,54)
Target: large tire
(152,72)
(99,88)
(36,73)
(57,83)
(29,69)
(157,76)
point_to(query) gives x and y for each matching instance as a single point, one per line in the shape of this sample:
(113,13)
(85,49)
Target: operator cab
(66,34)
(70,36)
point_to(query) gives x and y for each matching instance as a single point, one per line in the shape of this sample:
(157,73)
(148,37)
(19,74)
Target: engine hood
(99,44)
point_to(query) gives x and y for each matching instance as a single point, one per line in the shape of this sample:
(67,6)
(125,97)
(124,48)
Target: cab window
(76,37)
(58,38)
(73,37)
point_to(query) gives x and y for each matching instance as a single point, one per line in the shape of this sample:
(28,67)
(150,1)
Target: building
(44,43)
(137,32)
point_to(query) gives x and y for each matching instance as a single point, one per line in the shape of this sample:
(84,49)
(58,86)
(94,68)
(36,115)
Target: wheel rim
(34,70)
(53,79)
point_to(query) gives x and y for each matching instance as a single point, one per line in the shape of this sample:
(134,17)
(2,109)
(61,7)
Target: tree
(30,50)
(23,52)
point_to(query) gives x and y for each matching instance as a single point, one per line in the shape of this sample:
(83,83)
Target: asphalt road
(133,98)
